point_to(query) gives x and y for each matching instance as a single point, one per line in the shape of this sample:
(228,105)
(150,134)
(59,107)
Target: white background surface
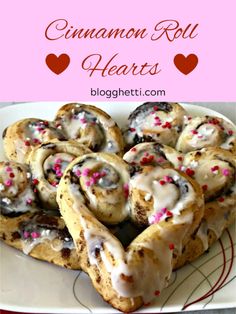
(229,110)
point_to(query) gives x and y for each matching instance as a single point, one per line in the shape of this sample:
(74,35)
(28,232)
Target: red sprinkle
(169,213)
(11,175)
(155,108)
(27,143)
(204,187)
(214,121)
(167,125)
(146,160)
(194,132)
(157,293)
(132,129)
(190,172)
(133,149)
(230,132)
(180,158)
(162,182)
(35,181)
(36,141)
(215,168)
(171,246)
(221,199)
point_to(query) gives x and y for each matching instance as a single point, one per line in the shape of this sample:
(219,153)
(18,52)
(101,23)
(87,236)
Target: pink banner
(125,50)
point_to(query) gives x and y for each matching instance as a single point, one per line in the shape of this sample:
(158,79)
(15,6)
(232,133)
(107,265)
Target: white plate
(33,286)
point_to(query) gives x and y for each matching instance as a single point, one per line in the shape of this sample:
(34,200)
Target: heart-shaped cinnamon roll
(126,278)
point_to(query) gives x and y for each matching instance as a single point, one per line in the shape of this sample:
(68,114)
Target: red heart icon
(57,64)
(185,64)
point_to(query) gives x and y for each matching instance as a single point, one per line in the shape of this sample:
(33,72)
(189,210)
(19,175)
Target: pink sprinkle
(83,120)
(168,179)
(54,183)
(133,149)
(200,136)
(8,169)
(26,234)
(160,159)
(78,173)
(29,201)
(164,210)
(226,172)
(85,172)
(87,183)
(59,174)
(155,218)
(157,123)
(93,181)
(132,129)
(58,161)
(230,132)
(157,118)
(8,182)
(96,175)
(146,154)
(35,235)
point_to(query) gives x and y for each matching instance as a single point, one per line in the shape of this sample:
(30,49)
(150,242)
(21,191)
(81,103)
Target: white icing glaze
(155,268)
(46,235)
(164,196)
(202,234)
(112,206)
(155,275)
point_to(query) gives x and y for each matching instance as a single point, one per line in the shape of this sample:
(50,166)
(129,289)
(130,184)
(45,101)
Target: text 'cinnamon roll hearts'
(126,278)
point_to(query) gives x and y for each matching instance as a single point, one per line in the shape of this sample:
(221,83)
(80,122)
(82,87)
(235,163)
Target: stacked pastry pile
(69,195)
